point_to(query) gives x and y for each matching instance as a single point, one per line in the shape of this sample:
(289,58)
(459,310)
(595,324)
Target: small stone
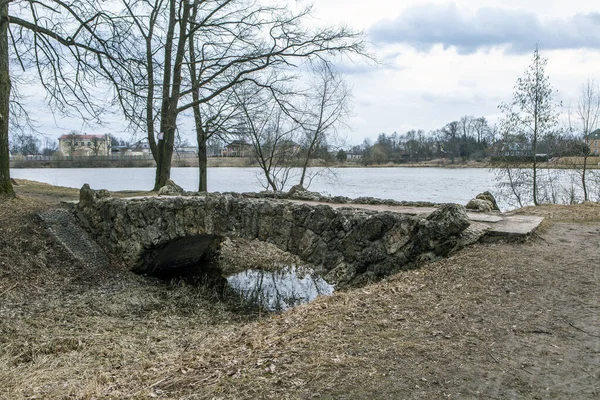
(296,189)
(487,196)
(480,205)
(102,193)
(87,196)
(171,189)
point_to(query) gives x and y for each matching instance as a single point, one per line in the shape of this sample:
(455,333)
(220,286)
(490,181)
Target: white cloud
(425,26)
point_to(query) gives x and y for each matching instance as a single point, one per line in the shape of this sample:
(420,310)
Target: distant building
(593,142)
(84,145)
(186,150)
(237,148)
(353,156)
(140,148)
(514,146)
(137,149)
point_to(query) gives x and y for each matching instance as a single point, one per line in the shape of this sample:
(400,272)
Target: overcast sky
(444,59)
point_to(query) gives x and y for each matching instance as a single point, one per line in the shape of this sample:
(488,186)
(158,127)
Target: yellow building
(84,145)
(593,142)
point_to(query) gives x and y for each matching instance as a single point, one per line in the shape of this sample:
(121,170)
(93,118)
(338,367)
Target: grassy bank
(494,321)
(238,162)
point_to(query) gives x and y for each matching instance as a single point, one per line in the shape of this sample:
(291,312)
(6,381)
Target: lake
(440,185)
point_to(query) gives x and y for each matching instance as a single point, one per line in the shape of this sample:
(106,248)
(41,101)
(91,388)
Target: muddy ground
(497,320)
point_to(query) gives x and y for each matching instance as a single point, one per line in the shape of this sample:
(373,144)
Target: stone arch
(178,254)
(343,243)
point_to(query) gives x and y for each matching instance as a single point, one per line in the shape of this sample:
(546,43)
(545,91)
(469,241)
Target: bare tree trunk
(6,188)
(201,136)
(165,149)
(534,145)
(588,111)
(513,186)
(307,160)
(171,94)
(535,186)
(202,158)
(163,166)
(583,184)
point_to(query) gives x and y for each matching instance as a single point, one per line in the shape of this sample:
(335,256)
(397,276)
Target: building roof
(82,137)
(595,134)
(239,143)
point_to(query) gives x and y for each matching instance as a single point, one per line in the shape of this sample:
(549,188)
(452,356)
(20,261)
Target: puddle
(279,290)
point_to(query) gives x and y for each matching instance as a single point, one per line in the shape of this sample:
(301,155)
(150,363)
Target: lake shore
(241,162)
(224,162)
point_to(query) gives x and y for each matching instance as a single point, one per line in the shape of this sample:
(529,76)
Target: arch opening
(188,258)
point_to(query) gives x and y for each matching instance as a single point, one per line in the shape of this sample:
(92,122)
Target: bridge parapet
(346,245)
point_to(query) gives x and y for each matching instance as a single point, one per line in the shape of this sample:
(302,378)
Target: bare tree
(271,131)
(588,113)
(72,144)
(26,145)
(68,44)
(5,86)
(451,131)
(482,129)
(215,119)
(532,112)
(224,44)
(326,107)
(96,145)
(467,126)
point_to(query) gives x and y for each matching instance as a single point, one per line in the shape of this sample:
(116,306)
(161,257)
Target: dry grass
(587,212)
(494,321)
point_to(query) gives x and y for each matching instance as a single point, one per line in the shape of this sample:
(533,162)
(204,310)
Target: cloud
(425,26)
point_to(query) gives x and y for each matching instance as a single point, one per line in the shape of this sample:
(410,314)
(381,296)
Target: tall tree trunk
(6,188)
(585,191)
(169,112)
(536,117)
(202,156)
(309,152)
(535,186)
(201,134)
(165,150)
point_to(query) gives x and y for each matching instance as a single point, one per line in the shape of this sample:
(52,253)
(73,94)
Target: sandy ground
(493,321)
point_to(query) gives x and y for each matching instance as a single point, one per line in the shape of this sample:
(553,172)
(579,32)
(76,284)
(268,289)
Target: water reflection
(281,289)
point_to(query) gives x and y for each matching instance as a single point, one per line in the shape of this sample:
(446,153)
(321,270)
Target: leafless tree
(5,86)
(467,126)
(588,114)
(72,136)
(96,145)
(532,112)
(451,131)
(327,105)
(482,130)
(223,44)
(68,45)
(271,131)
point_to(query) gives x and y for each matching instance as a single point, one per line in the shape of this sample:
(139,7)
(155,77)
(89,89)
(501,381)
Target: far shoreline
(239,162)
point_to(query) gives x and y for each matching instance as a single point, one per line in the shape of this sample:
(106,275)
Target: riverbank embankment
(187,160)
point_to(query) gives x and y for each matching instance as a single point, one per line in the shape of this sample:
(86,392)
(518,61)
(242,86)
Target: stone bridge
(153,233)
(344,243)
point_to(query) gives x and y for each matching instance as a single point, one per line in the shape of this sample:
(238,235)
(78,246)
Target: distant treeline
(467,139)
